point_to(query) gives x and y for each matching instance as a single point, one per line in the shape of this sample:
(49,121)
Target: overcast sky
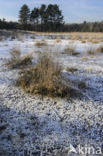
(73,10)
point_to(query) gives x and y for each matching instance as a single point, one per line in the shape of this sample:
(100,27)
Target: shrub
(45,78)
(18,61)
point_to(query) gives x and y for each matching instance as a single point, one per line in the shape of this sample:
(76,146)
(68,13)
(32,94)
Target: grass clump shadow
(44,79)
(18,61)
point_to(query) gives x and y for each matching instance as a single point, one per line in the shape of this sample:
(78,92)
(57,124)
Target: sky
(74,11)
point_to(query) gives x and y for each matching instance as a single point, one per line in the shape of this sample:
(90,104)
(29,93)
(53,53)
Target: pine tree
(34,17)
(24,15)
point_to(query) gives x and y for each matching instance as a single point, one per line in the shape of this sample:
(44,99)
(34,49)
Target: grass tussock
(100,49)
(83,41)
(18,61)
(44,79)
(40,43)
(57,41)
(91,51)
(70,51)
(94,41)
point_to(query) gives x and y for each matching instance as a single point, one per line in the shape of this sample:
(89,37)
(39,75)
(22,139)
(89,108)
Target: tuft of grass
(100,49)
(18,61)
(57,40)
(44,79)
(94,41)
(40,43)
(70,51)
(91,51)
(83,41)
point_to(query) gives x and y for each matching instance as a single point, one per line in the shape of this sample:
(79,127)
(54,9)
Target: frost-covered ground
(48,126)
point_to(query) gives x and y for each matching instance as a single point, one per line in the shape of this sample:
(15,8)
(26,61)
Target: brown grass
(40,43)
(94,41)
(83,41)
(70,51)
(100,49)
(91,51)
(57,41)
(44,79)
(18,61)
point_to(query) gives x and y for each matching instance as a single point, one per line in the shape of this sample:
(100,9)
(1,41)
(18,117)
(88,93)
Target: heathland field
(51,91)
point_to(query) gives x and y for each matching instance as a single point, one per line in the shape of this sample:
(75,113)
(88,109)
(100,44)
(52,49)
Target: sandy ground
(49,126)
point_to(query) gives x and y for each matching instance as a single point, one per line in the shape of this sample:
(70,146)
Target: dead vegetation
(40,43)
(57,41)
(100,49)
(44,79)
(83,41)
(18,61)
(94,41)
(91,51)
(70,51)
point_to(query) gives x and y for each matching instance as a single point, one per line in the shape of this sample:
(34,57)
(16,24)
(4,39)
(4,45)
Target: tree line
(48,18)
(45,18)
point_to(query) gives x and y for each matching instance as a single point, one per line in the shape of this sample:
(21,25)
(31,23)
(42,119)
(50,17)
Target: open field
(49,125)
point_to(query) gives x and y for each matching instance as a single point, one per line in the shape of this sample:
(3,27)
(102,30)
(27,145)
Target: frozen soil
(47,126)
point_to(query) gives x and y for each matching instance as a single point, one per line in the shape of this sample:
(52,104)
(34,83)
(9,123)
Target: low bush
(44,79)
